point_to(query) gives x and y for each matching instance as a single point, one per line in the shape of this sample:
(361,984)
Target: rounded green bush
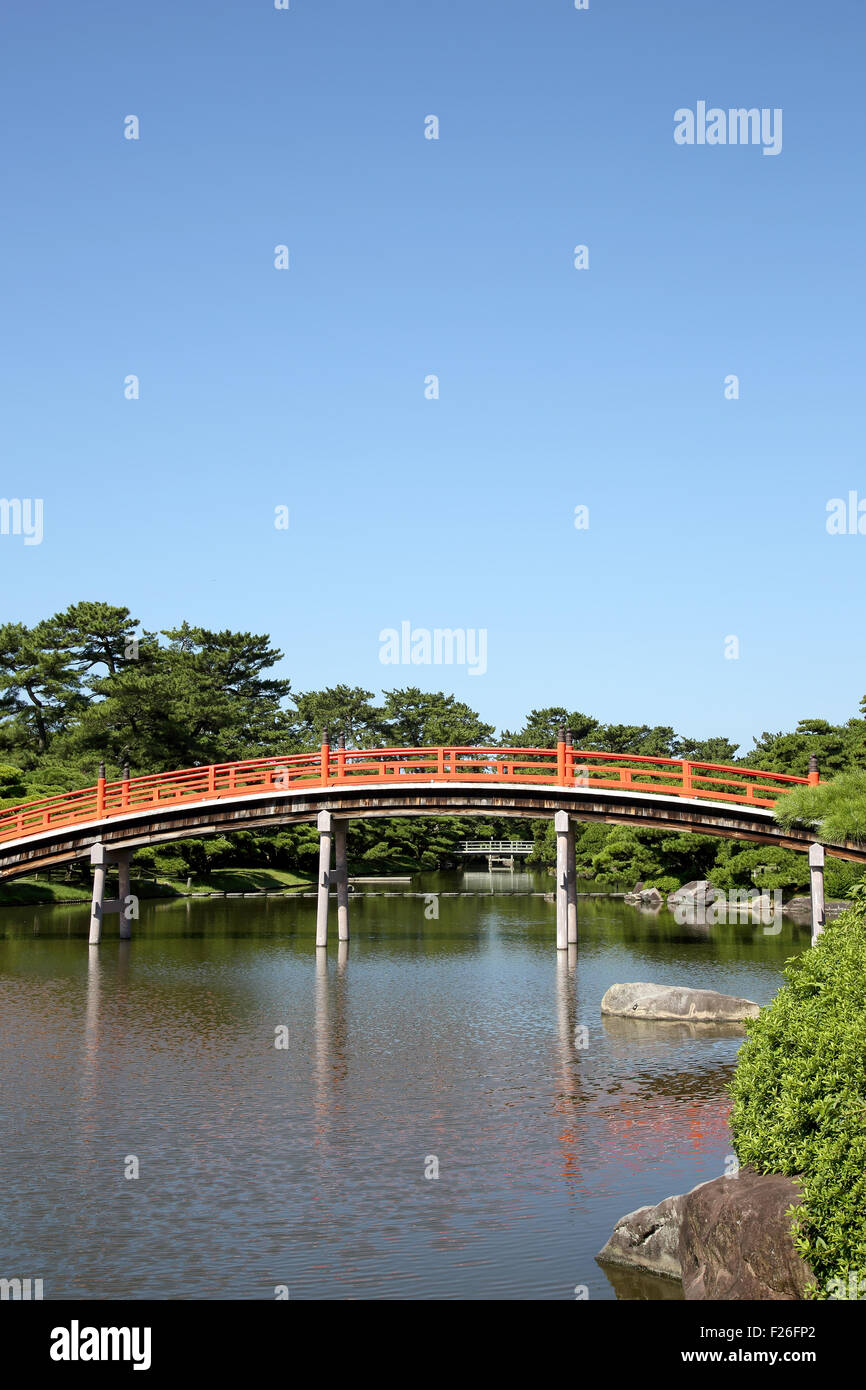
(799,1094)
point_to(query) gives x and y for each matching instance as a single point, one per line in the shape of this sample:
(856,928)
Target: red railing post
(569,758)
(325,754)
(211,778)
(100,792)
(813,778)
(124,787)
(560,757)
(341,757)
(440,762)
(687,778)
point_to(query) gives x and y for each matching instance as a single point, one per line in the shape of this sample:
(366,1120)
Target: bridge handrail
(493,846)
(561,766)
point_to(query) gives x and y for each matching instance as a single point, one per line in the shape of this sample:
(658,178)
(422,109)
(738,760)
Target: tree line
(86,685)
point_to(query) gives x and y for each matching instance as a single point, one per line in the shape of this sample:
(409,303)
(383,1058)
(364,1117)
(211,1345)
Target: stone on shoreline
(800,908)
(729,1238)
(648,1238)
(647,897)
(695,891)
(736,1241)
(676,1003)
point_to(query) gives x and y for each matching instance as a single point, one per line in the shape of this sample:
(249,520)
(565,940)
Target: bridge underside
(267,811)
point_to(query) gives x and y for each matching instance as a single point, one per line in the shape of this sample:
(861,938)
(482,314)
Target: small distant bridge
(496,847)
(109,821)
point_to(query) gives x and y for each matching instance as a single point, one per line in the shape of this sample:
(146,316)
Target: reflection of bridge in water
(517,882)
(106,823)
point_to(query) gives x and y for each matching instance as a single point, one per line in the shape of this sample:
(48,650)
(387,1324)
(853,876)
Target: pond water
(428,1045)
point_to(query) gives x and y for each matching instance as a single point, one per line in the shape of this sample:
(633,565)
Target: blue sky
(410,257)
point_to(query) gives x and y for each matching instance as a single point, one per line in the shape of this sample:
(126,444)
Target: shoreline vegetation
(799,1097)
(41,891)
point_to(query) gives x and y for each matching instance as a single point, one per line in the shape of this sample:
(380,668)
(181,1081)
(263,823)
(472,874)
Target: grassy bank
(21,892)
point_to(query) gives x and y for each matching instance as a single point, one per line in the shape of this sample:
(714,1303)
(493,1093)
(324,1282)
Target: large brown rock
(729,1238)
(735,1239)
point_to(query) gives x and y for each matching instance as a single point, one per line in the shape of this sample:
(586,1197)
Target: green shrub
(665,883)
(837,808)
(799,1095)
(767,868)
(12,788)
(840,877)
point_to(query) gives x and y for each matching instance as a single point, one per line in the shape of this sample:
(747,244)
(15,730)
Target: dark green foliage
(340,709)
(415,718)
(838,807)
(766,867)
(837,746)
(799,1095)
(39,687)
(542,727)
(840,877)
(12,786)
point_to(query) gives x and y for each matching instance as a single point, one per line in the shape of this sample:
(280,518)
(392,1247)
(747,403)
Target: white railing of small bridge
(496,846)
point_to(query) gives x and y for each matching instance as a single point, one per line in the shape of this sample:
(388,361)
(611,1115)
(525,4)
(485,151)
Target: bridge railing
(496,846)
(562,766)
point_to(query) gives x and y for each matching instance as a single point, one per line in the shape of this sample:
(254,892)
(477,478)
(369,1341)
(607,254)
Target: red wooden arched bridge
(333,785)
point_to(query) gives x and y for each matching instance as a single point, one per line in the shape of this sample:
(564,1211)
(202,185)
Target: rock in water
(648,1238)
(736,1242)
(729,1238)
(675,1003)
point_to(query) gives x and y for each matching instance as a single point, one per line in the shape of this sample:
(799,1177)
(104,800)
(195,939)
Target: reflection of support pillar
(560,821)
(321,1046)
(341,869)
(816,876)
(97,859)
(122,895)
(324,823)
(571,870)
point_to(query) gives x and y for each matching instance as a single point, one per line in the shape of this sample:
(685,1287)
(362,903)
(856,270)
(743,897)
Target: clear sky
(305,387)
